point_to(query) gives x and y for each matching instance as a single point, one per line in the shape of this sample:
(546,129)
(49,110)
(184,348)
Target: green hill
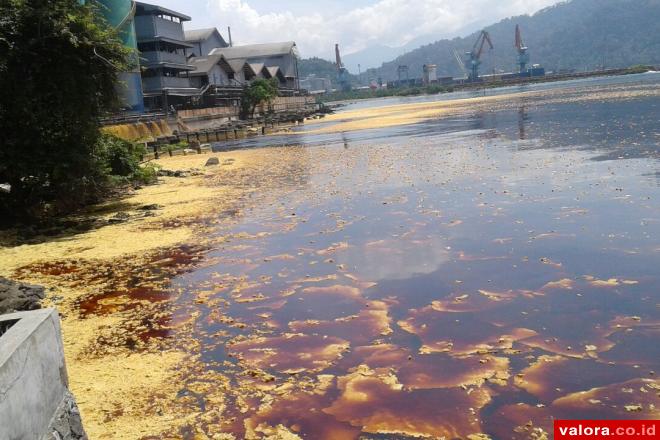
(574,35)
(321,68)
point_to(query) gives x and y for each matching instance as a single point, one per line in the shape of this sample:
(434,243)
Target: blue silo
(120,14)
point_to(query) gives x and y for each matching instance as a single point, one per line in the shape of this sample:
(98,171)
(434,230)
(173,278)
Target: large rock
(212,161)
(67,423)
(18,297)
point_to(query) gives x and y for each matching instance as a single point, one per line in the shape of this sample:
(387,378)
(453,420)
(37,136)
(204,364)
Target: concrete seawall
(151,128)
(34,399)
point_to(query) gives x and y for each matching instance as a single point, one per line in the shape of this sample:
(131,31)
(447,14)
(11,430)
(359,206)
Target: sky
(316,25)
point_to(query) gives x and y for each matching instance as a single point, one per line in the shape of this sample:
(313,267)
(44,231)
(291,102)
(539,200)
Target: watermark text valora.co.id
(611,429)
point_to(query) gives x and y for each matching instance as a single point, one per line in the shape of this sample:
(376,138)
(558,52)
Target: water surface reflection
(460,276)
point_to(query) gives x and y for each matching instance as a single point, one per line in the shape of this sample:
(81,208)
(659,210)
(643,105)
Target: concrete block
(33,377)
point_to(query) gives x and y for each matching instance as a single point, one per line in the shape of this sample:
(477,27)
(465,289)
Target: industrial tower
(343,78)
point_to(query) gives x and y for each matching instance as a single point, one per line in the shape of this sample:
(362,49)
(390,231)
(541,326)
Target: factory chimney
(231,44)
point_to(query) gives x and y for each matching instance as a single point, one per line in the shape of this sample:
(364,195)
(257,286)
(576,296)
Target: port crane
(475,55)
(343,78)
(523,56)
(461,64)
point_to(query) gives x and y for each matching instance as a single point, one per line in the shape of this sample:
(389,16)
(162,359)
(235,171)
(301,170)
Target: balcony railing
(155,57)
(150,26)
(169,29)
(156,83)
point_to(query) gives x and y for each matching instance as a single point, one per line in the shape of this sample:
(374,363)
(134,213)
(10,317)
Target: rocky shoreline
(19,297)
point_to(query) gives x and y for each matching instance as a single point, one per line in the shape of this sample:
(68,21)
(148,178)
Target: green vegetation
(322,69)
(640,68)
(383,93)
(59,62)
(575,35)
(121,160)
(261,91)
(171,148)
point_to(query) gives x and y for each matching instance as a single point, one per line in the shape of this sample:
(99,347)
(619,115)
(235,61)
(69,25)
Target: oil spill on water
(483,277)
(139,292)
(474,275)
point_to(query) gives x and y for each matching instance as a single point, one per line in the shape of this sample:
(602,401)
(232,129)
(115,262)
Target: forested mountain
(316,66)
(321,68)
(576,34)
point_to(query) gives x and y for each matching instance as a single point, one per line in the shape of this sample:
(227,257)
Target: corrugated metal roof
(195,35)
(256,50)
(274,70)
(204,65)
(257,67)
(146,8)
(237,65)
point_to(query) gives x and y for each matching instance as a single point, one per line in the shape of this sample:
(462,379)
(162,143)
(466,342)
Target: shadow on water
(59,228)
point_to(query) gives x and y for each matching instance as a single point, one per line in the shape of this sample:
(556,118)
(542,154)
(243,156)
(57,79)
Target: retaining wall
(34,397)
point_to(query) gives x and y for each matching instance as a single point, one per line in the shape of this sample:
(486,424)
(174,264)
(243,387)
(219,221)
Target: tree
(322,69)
(258,92)
(59,64)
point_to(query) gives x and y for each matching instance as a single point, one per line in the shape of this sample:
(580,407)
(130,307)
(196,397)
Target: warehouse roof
(147,9)
(204,65)
(199,34)
(256,50)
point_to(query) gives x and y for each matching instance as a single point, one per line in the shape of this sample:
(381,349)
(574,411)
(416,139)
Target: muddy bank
(111,284)
(79,268)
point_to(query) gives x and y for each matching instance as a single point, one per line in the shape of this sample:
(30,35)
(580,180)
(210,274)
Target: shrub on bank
(121,160)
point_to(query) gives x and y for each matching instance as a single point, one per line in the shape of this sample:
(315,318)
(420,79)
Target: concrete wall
(33,377)
(281,104)
(218,76)
(206,46)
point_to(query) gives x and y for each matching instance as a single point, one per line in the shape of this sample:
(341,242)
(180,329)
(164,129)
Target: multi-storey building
(162,47)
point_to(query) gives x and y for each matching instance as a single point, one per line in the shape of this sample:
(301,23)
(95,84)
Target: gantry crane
(343,78)
(523,56)
(475,55)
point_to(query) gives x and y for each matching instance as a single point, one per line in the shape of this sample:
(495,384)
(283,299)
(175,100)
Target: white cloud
(389,22)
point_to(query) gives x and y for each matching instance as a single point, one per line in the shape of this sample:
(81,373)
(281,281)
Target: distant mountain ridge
(575,34)
(374,56)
